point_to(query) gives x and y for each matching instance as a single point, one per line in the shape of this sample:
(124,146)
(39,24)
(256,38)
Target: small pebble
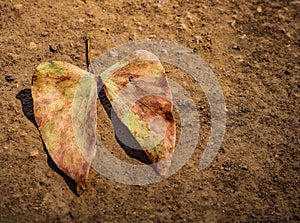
(189,17)
(259,9)
(53,49)
(198,39)
(81,20)
(244,167)
(235,47)
(9,78)
(18,6)
(152,36)
(182,26)
(243,36)
(167,24)
(132,36)
(227,168)
(13,56)
(32,45)
(232,23)
(34,153)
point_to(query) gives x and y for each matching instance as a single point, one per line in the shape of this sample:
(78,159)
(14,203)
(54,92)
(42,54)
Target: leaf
(139,93)
(64,99)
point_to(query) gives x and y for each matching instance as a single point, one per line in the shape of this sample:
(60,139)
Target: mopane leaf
(64,99)
(140,96)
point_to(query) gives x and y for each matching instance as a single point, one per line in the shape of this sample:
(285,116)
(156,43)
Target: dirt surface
(252,47)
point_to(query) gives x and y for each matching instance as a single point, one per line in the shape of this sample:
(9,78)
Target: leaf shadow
(25,97)
(134,151)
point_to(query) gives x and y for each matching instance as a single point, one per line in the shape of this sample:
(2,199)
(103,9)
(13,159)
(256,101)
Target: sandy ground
(252,47)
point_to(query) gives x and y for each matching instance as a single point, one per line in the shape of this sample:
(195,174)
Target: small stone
(244,167)
(132,36)
(232,23)
(32,45)
(235,47)
(222,150)
(182,26)
(204,7)
(198,39)
(157,7)
(81,20)
(45,33)
(243,36)
(34,153)
(167,24)
(227,168)
(248,187)
(13,56)
(53,49)
(9,78)
(189,17)
(18,6)
(102,29)
(152,36)
(289,35)
(259,9)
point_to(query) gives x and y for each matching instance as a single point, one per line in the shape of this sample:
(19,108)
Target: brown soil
(252,47)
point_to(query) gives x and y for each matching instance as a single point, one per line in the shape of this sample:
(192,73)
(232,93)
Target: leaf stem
(88,53)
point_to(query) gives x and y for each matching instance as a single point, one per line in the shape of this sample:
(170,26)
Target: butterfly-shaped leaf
(139,93)
(65,111)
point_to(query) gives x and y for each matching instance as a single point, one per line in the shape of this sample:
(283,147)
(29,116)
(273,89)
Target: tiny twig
(88,53)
